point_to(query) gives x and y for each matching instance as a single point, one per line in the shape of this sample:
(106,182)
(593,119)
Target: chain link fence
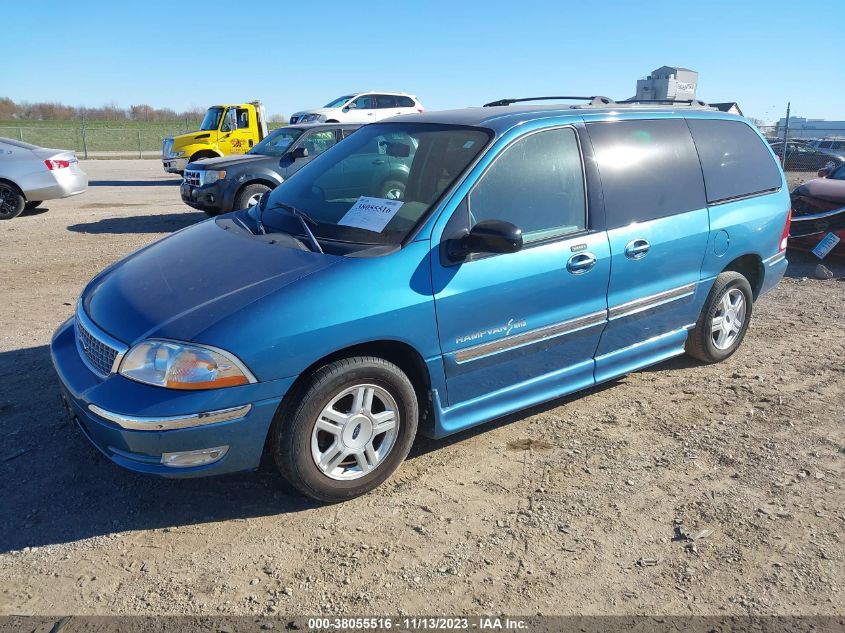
(102,140)
(806,150)
(97,141)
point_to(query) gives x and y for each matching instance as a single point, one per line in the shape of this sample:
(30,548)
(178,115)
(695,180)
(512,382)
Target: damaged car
(818,207)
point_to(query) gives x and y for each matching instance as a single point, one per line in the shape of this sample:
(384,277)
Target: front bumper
(174,165)
(125,404)
(216,197)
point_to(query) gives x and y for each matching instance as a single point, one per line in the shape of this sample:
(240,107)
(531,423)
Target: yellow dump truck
(225,129)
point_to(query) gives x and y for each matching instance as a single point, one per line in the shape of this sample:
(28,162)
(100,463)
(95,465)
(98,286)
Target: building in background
(799,127)
(671,83)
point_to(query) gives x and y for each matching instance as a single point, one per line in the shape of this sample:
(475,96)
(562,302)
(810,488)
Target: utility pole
(84,140)
(785,136)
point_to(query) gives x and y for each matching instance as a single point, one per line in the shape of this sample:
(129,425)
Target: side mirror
(299,152)
(488,236)
(824,172)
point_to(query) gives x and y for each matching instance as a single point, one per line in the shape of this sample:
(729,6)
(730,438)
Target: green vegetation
(118,138)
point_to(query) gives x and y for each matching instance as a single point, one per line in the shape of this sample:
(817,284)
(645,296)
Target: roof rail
(693,103)
(594,100)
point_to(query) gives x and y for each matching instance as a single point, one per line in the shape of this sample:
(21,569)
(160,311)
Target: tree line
(53,111)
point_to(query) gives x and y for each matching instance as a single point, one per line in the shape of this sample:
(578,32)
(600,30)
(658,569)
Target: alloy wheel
(729,319)
(355,432)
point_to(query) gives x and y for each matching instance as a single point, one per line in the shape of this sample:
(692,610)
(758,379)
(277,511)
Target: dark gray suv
(219,185)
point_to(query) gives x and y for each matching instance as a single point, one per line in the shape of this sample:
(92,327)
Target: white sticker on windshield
(371,214)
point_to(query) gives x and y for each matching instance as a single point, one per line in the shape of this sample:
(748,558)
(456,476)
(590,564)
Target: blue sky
(451,54)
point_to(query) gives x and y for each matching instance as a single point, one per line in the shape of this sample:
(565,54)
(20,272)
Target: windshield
(211,121)
(375,186)
(277,142)
(338,102)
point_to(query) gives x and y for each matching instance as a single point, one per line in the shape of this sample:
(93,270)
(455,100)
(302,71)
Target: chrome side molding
(651,301)
(533,336)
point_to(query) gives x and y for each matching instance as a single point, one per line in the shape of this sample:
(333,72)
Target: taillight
(56,164)
(785,235)
(420,109)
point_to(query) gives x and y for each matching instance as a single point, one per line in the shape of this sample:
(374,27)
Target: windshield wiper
(304,220)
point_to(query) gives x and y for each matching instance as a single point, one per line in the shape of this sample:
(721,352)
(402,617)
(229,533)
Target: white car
(361,107)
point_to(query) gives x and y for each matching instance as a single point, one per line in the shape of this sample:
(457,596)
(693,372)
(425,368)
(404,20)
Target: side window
(243,118)
(537,184)
(318,142)
(405,102)
(345,132)
(649,169)
(734,159)
(364,102)
(385,101)
(825,145)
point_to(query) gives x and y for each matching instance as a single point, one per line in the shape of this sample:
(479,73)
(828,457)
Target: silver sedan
(30,174)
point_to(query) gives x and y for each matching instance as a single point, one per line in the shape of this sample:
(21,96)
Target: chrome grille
(192,177)
(99,351)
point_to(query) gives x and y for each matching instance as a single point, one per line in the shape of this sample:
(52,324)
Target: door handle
(637,249)
(581,263)
(378,161)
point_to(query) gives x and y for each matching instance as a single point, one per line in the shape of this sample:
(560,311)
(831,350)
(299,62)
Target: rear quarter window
(405,102)
(735,161)
(649,169)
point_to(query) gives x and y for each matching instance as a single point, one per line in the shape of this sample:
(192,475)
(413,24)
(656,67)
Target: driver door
(237,131)
(516,325)
(364,110)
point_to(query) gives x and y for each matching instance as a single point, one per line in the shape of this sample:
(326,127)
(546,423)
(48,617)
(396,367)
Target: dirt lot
(680,489)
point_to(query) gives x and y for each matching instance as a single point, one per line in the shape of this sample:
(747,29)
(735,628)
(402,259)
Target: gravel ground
(681,489)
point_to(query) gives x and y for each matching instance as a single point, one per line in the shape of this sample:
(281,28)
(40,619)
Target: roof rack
(598,101)
(693,103)
(594,100)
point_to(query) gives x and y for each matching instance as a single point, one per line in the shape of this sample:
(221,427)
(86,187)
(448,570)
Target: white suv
(361,107)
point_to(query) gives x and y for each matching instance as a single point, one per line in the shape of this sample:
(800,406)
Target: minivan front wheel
(348,431)
(724,319)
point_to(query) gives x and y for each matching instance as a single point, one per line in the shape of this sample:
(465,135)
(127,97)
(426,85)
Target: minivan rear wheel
(347,429)
(724,319)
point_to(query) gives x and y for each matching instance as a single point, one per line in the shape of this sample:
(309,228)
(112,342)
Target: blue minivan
(536,250)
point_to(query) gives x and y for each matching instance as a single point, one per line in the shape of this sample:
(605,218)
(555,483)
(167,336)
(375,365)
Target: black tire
(12,202)
(291,433)
(32,204)
(392,189)
(242,199)
(700,343)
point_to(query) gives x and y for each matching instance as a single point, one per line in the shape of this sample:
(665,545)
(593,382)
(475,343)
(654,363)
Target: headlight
(310,118)
(183,366)
(176,154)
(208,177)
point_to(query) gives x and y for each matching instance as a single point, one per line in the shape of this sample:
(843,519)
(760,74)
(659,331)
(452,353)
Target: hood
(192,137)
(180,286)
(221,162)
(314,111)
(824,189)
